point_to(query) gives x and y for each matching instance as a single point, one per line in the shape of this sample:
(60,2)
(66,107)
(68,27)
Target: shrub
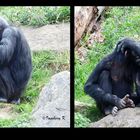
(36,16)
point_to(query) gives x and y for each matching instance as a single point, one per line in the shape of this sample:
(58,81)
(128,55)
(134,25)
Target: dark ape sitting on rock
(15,63)
(116,78)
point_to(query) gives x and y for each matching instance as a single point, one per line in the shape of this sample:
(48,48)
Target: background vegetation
(119,22)
(36,15)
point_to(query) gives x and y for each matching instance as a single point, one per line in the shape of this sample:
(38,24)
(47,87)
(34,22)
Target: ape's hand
(121,103)
(129,102)
(125,44)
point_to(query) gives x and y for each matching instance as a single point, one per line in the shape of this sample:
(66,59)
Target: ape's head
(136,58)
(3,25)
(132,56)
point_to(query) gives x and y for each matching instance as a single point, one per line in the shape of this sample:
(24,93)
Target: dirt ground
(48,37)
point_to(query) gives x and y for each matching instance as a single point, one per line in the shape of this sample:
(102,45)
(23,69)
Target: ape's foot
(15,102)
(114,111)
(107,111)
(111,110)
(3,100)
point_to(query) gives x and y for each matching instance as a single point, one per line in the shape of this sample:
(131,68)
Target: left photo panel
(35,66)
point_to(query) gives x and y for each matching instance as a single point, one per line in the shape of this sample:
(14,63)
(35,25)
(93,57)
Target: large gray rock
(53,107)
(129,117)
(79,106)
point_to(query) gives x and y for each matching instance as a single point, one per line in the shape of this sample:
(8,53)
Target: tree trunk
(85,20)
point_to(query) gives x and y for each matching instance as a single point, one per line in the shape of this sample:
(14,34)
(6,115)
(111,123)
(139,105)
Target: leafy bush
(81,121)
(36,16)
(121,22)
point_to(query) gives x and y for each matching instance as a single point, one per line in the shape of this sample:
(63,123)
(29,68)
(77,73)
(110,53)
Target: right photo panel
(107,66)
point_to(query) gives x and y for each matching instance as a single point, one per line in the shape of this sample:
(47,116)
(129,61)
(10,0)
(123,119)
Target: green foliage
(43,69)
(80,120)
(83,118)
(119,22)
(5,122)
(45,64)
(36,16)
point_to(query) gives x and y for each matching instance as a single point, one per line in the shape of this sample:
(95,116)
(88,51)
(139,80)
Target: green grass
(119,22)
(36,15)
(45,64)
(85,117)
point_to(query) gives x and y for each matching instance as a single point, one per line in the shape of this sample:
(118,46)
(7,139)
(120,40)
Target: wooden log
(85,19)
(83,16)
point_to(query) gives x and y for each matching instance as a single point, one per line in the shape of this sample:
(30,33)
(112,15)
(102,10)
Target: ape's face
(3,25)
(1,32)
(136,58)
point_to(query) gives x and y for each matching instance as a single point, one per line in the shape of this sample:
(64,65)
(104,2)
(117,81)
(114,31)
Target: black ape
(15,63)
(112,81)
(129,45)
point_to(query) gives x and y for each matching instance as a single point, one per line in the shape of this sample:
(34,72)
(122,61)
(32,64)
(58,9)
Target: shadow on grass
(87,116)
(93,113)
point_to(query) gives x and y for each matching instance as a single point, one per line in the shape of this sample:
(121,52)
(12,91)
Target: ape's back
(21,63)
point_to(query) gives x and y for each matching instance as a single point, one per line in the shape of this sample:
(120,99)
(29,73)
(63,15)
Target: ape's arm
(92,87)
(7,45)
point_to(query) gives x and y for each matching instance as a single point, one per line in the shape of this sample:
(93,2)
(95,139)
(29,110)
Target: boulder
(129,117)
(53,106)
(79,106)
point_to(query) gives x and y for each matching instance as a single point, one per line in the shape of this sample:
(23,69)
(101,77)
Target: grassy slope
(119,22)
(45,64)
